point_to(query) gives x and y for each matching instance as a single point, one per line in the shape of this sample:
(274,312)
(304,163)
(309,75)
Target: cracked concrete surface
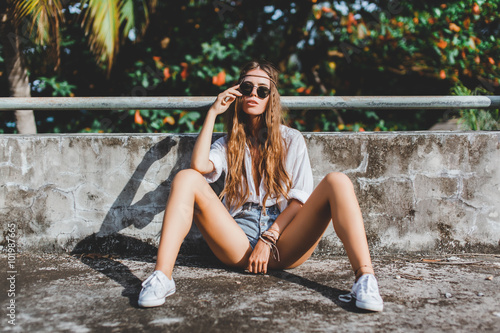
(418,191)
(98,293)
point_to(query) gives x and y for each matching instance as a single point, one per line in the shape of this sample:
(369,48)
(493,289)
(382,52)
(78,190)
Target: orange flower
(442,44)
(475,9)
(467,23)
(442,74)
(166,73)
(300,90)
(454,27)
(219,79)
(431,20)
(308,91)
(156,58)
(326,9)
(361,129)
(490,59)
(138,118)
(169,120)
(350,22)
(351,19)
(415,20)
(184,73)
(477,60)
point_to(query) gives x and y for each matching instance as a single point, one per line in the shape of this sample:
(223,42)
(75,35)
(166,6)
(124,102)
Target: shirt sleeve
(218,157)
(299,168)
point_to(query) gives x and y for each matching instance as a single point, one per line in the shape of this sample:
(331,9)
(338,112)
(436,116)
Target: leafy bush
(476,119)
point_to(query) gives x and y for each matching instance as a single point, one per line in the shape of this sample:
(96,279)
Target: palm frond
(136,16)
(45,17)
(127,16)
(102,25)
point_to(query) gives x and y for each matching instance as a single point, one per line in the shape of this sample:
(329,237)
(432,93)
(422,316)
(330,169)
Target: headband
(265,77)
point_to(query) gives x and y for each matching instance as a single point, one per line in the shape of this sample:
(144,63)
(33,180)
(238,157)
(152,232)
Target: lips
(252,102)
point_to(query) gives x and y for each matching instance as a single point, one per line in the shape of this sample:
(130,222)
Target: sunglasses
(246,89)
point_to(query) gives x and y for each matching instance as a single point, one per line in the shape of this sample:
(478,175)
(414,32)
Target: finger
(228,99)
(234,90)
(256,268)
(249,266)
(253,267)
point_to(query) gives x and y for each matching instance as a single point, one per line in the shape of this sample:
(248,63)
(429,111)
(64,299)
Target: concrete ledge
(418,191)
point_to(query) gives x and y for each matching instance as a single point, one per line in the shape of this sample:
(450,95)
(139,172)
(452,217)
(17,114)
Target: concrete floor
(94,293)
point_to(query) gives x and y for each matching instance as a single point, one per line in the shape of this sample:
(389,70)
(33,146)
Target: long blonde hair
(269,143)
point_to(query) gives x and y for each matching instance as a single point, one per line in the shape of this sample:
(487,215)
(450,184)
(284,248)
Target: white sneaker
(155,289)
(365,292)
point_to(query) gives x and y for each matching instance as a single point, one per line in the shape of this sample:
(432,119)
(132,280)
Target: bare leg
(333,199)
(226,239)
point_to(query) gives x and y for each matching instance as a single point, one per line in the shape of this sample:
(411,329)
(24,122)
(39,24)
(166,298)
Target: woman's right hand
(225,99)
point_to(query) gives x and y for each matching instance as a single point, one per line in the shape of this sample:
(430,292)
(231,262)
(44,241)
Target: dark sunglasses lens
(263,92)
(246,88)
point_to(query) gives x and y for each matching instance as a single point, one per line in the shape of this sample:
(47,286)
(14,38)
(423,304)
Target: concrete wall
(418,191)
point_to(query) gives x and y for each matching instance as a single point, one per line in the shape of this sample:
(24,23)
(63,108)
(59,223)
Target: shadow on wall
(124,214)
(99,250)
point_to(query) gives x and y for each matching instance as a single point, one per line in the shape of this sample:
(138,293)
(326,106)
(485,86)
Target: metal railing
(290,102)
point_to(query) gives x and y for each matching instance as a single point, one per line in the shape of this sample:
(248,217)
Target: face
(253,105)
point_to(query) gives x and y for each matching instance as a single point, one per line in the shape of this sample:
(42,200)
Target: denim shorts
(254,222)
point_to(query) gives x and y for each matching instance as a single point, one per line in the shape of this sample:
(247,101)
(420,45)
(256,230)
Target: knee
(187,176)
(338,180)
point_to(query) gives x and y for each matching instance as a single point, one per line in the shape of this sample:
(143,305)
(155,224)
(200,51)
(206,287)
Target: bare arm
(286,216)
(199,159)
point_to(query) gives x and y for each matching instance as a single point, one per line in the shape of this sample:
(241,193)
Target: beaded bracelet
(276,231)
(273,247)
(269,236)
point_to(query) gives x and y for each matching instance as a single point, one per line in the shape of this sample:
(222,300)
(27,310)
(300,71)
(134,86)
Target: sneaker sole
(157,302)
(369,306)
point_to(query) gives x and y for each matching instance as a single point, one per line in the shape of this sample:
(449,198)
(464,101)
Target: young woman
(270,217)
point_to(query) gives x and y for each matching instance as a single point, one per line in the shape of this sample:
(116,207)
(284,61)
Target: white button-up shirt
(297,166)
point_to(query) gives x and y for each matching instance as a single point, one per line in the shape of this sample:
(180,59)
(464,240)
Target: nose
(254,91)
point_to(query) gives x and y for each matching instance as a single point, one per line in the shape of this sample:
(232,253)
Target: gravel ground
(94,293)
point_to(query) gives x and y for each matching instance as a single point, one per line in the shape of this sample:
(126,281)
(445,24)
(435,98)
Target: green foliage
(476,119)
(323,48)
(63,88)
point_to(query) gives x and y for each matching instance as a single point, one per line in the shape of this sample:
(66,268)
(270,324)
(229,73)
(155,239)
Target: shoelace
(346,298)
(150,282)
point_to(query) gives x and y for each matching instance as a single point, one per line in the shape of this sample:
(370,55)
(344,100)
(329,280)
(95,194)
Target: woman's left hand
(259,259)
